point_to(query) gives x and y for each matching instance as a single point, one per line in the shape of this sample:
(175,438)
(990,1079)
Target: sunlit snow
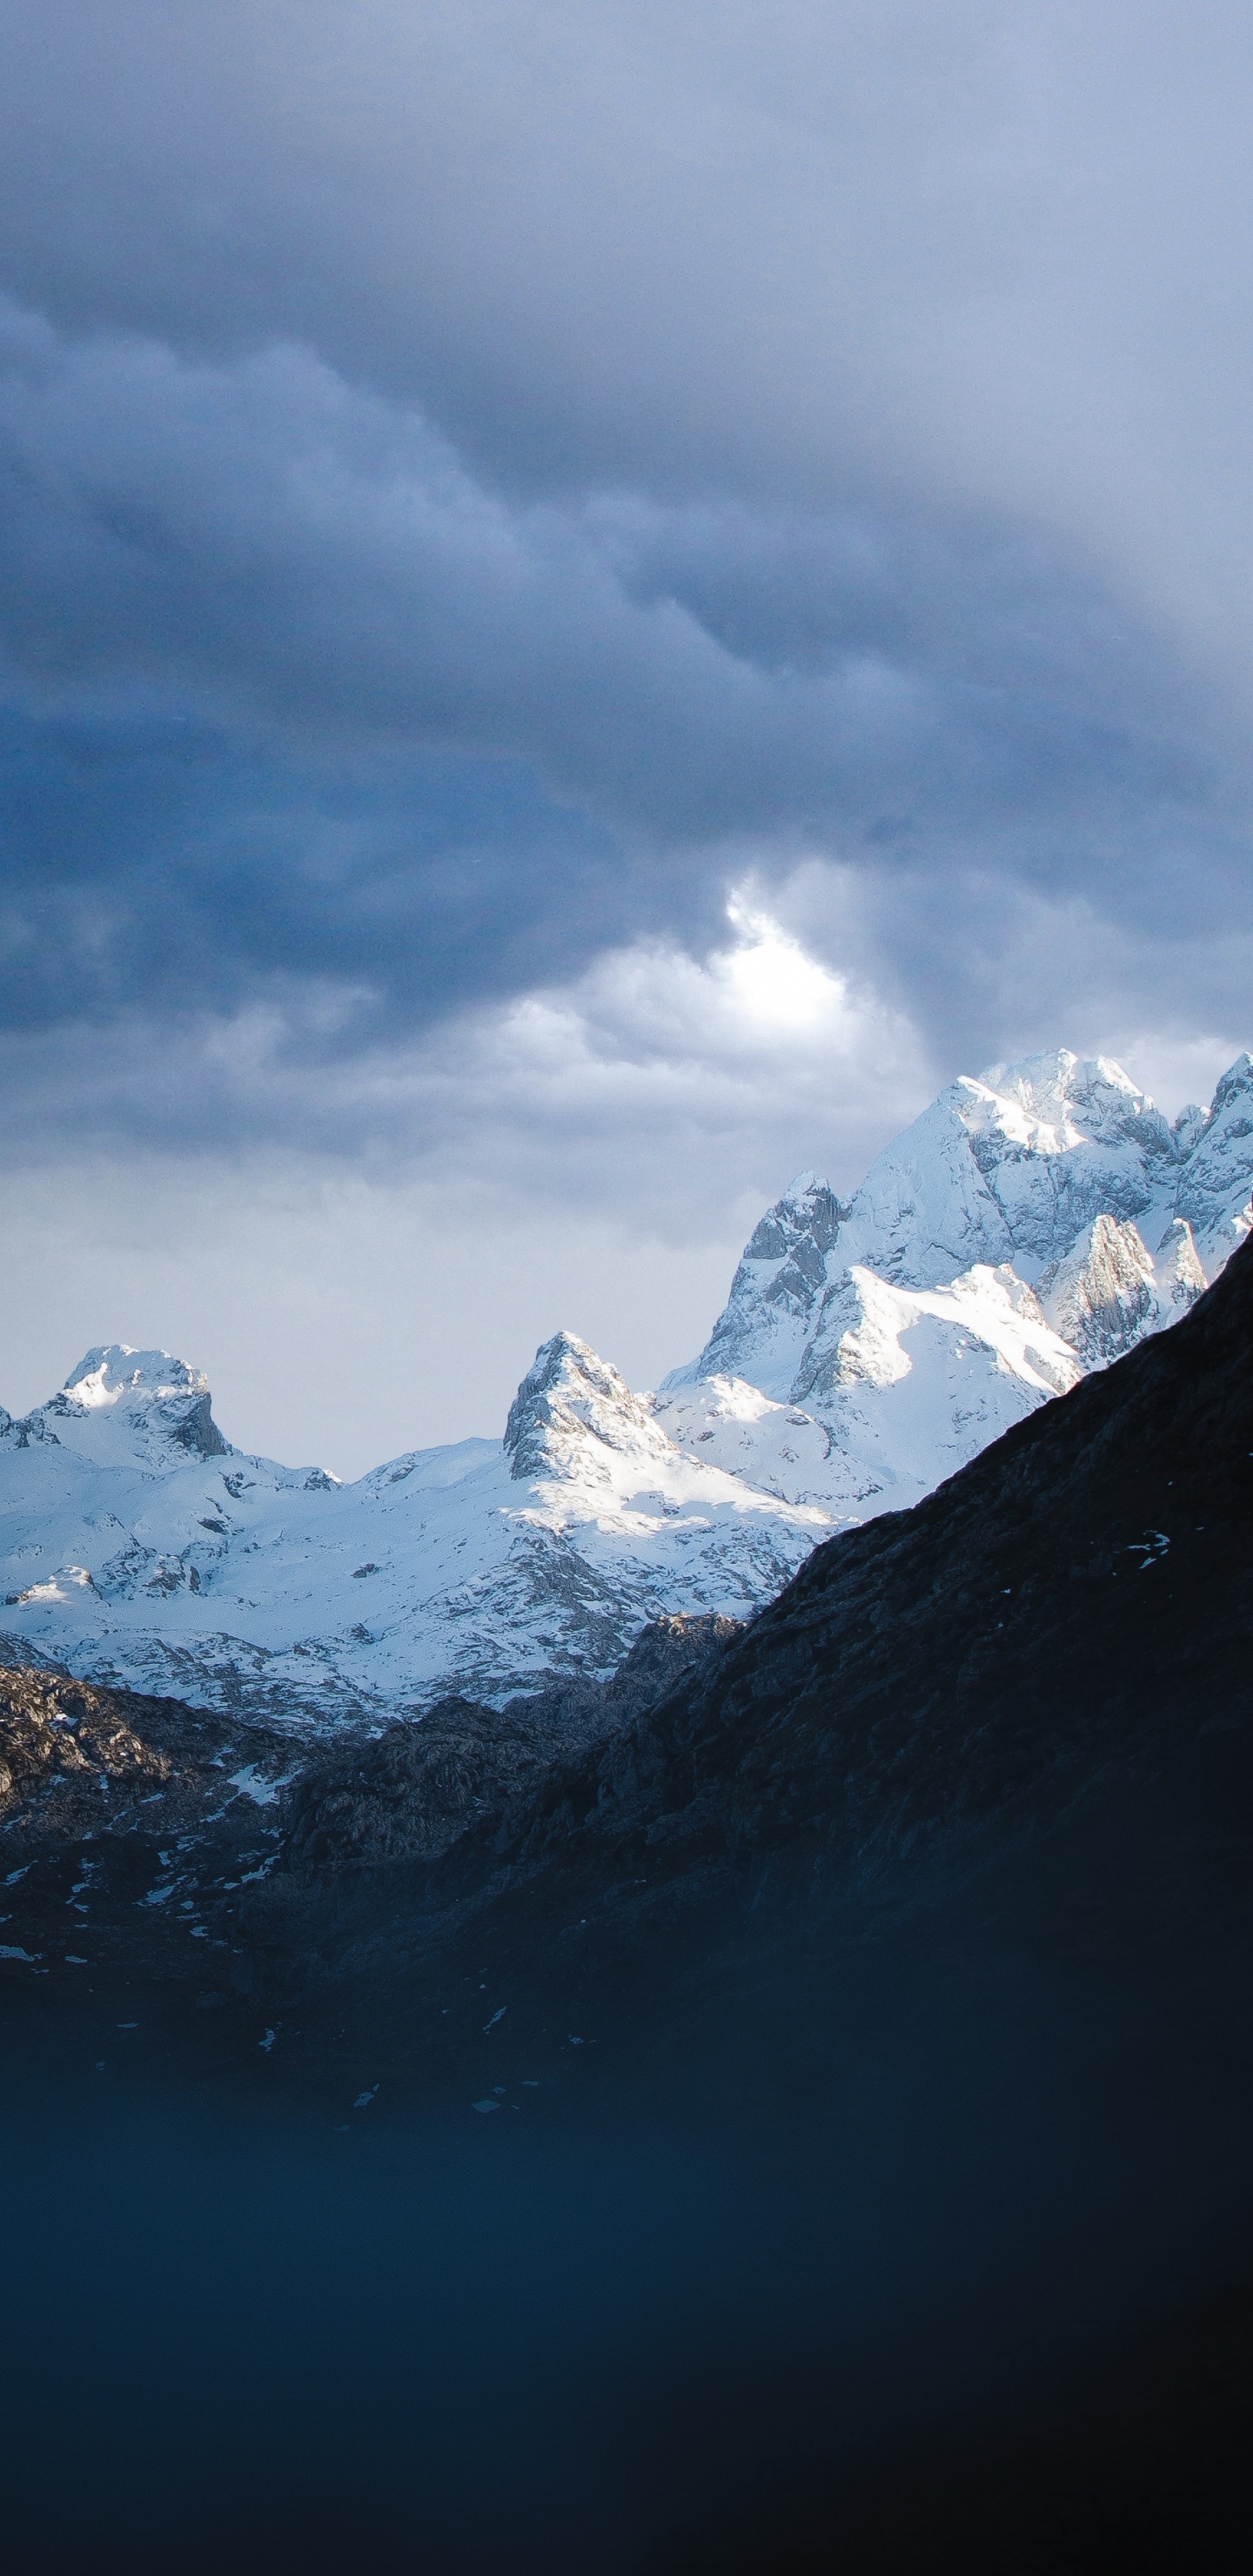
(1027,1227)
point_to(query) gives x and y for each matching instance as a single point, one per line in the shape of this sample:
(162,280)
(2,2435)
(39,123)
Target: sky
(594,601)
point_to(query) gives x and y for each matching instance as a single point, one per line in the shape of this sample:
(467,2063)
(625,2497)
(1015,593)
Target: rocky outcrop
(58,1739)
(777,1291)
(411,1791)
(1103,1297)
(126,1822)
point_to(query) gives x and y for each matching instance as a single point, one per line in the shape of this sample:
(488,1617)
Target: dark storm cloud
(475,480)
(153,858)
(293,692)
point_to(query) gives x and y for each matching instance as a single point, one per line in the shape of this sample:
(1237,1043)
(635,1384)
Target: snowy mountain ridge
(137,1543)
(1011,1169)
(1030,1226)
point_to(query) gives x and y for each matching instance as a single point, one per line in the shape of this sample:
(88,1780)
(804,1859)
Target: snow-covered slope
(1028,1227)
(927,1378)
(136,1544)
(1053,1190)
(1012,1168)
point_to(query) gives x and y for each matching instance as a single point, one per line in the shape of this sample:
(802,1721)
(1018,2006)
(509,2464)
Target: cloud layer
(483,488)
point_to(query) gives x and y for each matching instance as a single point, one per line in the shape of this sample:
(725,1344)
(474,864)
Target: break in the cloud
(594,1152)
(591,1153)
(480,485)
(651,1085)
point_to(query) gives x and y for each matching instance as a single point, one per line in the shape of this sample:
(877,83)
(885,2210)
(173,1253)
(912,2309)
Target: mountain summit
(117,1395)
(1011,1169)
(1031,1225)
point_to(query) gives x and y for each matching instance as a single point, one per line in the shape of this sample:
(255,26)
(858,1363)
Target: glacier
(1030,1226)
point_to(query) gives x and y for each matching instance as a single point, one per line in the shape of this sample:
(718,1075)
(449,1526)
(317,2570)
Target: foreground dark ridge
(1078,1602)
(917,1920)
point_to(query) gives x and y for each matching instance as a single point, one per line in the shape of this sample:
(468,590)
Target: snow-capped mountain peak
(569,1402)
(1033,1222)
(119,1402)
(1011,1166)
(132,1545)
(1070,1100)
(762,1331)
(114,1372)
(1213,1189)
(1014,1167)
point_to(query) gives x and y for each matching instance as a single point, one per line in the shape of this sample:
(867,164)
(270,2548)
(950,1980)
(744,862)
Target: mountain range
(1030,1227)
(899,1938)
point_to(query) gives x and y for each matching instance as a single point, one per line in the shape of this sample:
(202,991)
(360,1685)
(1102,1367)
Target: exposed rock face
(1103,1296)
(777,1290)
(132,1828)
(1213,1187)
(1180,1278)
(58,1738)
(124,1820)
(570,1403)
(413,1790)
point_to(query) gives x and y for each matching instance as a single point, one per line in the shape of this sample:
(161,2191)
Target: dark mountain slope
(415,1789)
(1077,1603)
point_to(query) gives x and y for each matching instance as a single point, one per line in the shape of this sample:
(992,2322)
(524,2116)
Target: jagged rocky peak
(805,1221)
(1103,1297)
(1189,1126)
(1006,1172)
(1082,1099)
(1011,1166)
(569,1402)
(776,1291)
(1180,1274)
(157,1394)
(1214,1188)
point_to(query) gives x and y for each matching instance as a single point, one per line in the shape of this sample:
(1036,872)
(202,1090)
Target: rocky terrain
(127,1825)
(414,1790)
(133,1828)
